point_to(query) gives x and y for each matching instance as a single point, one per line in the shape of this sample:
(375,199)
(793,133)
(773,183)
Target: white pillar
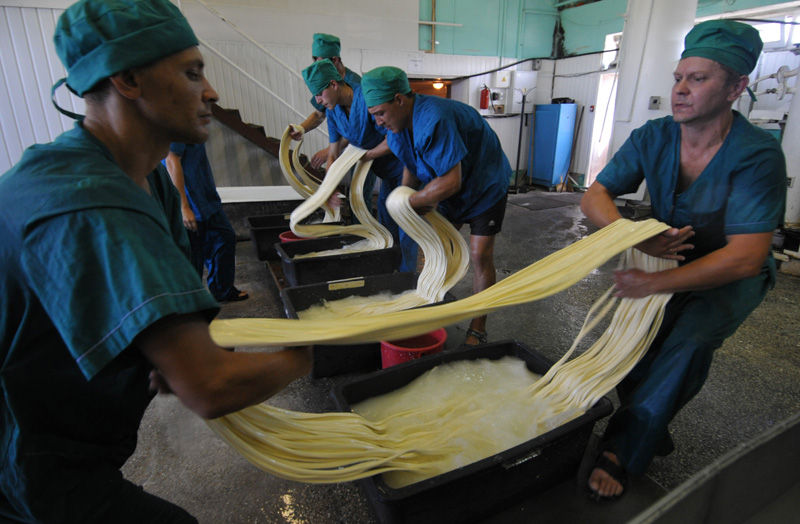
(791,137)
(652,43)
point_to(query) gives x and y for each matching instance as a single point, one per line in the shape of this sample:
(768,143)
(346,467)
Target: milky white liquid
(497,415)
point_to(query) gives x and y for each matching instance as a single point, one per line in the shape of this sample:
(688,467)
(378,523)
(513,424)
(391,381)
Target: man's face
(176,96)
(329,96)
(700,92)
(390,115)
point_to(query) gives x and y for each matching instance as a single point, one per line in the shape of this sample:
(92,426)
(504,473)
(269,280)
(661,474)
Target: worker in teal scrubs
(100,306)
(349,122)
(453,158)
(720,182)
(325,46)
(211,236)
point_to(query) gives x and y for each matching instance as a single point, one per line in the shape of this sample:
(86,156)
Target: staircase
(232,119)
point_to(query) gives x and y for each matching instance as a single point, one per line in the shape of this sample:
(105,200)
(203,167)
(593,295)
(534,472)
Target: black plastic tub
(312,270)
(330,360)
(265,229)
(477,490)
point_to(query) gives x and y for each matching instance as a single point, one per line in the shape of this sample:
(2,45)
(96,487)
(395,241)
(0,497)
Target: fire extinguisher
(485,98)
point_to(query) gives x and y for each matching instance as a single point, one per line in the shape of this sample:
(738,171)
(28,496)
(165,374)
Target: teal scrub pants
(675,367)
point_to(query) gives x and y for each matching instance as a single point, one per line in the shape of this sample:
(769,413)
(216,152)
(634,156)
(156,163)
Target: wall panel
(577,78)
(29,67)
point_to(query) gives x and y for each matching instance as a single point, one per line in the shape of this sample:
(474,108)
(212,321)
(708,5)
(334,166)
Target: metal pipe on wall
(791,136)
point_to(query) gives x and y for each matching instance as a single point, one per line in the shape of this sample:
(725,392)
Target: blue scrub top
(359,129)
(742,189)
(352,79)
(88,261)
(198,180)
(446,132)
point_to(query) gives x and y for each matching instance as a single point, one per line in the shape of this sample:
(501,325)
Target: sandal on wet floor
(234,295)
(615,471)
(482,337)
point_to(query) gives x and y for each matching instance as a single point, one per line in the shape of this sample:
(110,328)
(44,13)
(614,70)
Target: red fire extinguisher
(485,98)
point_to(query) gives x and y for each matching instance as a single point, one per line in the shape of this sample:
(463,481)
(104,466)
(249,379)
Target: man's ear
(126,84)
(738,88)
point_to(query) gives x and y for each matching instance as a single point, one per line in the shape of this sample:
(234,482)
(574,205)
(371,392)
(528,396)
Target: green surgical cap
(382,83)
(325,46)
(319,74)
(96,39)
(729,43)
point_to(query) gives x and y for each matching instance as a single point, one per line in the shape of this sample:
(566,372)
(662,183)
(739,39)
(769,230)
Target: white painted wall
(28,69)
(651,46)
(361,24)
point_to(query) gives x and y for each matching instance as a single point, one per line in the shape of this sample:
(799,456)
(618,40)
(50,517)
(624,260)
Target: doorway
(604,109)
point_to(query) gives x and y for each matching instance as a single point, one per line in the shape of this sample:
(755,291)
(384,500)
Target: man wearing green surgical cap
(720,182)
(100,306)
(349,122)
(325,46)
(453,158)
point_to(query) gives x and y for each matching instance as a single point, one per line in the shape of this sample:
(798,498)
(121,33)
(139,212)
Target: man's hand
(297,132)
(335,200)
(189,220)
(633,283)
(668,244)
(422,209)
(319,158)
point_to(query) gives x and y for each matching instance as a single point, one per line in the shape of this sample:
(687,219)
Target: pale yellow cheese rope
(541,279)
(377,236)
(297,176)
(336,447)
(446,262)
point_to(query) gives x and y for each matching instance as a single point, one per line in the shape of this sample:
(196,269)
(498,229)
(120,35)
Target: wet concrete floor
(754,383)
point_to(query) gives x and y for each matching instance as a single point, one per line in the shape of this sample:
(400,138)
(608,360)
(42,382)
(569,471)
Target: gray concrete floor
(754,383)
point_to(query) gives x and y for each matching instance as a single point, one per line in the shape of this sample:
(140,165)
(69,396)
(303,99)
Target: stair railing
(263,49)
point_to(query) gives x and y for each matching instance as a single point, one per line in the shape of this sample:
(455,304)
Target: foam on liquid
(491,388)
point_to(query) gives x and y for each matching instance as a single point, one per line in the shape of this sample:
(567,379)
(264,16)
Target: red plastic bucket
(289,236)
(399,351)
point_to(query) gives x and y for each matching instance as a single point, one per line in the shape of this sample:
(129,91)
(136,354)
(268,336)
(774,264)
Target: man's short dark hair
(99,92)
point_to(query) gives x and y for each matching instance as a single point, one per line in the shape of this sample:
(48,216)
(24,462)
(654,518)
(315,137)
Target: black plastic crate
(265,230)
(330,360)
(477,490)
(312,270)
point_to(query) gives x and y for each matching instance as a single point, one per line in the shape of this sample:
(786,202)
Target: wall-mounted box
(501,78)
(521,81)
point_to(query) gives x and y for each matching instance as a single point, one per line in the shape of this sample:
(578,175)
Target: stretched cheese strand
(446,252)
(446,262)
(369,228)
(541,279)
(336,447)
(297,176)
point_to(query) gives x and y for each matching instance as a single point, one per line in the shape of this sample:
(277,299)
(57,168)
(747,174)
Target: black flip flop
(615,471)
(234,295)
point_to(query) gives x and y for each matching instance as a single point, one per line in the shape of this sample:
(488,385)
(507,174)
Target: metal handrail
(243,71)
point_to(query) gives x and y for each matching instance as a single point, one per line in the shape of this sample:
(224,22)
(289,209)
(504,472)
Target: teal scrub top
(742,190)
(88,261)
(360,129)
(352,79)
(446,132)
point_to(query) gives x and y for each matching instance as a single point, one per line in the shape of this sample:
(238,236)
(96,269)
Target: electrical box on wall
(501,79)
(522,81)
(655,103)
